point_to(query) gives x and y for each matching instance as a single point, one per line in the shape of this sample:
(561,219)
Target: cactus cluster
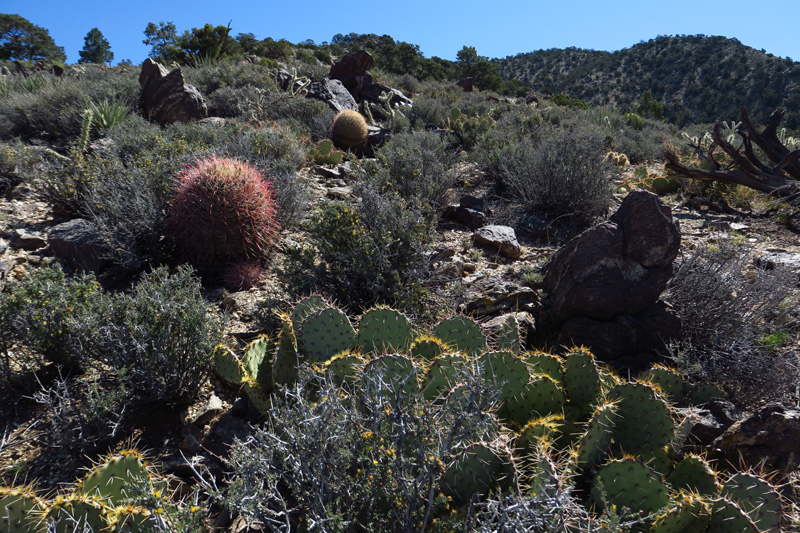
(349,130)
(323,153)
(222,212)
(120,493)
(567,419)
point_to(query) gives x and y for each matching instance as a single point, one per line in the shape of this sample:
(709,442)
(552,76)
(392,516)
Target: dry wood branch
(747,169)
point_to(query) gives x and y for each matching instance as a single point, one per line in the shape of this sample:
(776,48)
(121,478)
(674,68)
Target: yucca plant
(108,113)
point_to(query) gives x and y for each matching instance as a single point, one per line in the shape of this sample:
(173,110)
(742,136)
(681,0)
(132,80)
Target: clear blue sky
(496,28)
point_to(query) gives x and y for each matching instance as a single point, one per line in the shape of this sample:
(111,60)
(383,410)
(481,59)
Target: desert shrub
(157,340)
(49,313)
(734,318)
(429,112)
(230,102)
(222,211)
(52,113)
(420,166)
(562,176)
(373,252)
(367,460)
(211,76)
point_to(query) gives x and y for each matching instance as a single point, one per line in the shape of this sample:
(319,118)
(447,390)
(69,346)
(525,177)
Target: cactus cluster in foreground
(618,444)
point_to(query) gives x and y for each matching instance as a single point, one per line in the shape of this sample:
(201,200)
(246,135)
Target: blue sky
(496,28)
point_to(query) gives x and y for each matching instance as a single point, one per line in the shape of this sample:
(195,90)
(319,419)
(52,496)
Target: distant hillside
(697,78)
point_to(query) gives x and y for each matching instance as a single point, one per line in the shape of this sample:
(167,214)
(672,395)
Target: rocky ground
(467,277)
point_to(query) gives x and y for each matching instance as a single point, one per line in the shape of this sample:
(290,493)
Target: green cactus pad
(694,474)
(701,393)
(112,478)
(325,333)
(228,365)
(595,443)
(462,334)
(77,513)
(540,397)
(478,469)
(691,514)
(504,370)
(20,510)
(509,338)
(344,368)
(547,364)
(305,307)
(257,360)
(395,371)
(129,519)
(582,381)
(440,375)
(285,367)
(258,398)
(757,497)
(644,419)
(538,430)
(629,483)
(427,348)
(382,329)
(728,517)
(668,381)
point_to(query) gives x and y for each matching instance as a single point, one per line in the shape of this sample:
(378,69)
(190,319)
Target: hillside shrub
(420,166)
(562,176)
(157,341)
(734,317)
(372,252)
(222,211)
(49,313)
(355,462)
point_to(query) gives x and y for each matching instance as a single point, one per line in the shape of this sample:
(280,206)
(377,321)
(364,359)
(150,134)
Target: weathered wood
(780,180)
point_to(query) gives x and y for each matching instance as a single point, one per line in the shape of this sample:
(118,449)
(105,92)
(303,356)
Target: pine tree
(95,48)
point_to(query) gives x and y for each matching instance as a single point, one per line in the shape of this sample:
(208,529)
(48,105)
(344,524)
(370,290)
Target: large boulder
(617,268)
(351,70)
(333,93)
(166,98)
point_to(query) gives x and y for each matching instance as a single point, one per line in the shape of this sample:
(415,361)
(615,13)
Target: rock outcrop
(166,98)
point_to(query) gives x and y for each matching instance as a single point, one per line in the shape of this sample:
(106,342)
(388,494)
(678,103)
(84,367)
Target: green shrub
(420,166)
(374,252)
(50,313)
(157,341)
(369,460)
(561,177)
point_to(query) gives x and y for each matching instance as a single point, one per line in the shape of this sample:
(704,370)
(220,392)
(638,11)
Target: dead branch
(779,180)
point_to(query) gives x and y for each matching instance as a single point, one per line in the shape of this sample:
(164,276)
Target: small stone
(501,238)
(339,193)
(26,239)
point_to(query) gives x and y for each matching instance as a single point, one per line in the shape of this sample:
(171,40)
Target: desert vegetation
(272,326)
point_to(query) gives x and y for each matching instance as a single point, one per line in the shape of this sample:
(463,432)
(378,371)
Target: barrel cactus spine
(349,130)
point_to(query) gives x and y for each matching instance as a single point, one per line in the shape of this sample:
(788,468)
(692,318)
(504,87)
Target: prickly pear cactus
(595,443)
(668,381)
(259,399)
(757,497)
(112,478)
(509,337)
(700,393)
(547,364)
(305,307)
(20,510)
(462,334)
(537,431)
(728,517)
(506,371)
(326,332)
(397,372)
(694,474)
(689,514)
(644,420)
(257,361)
(582,380)
(344,368)
(228,365)
(540,397)
(441,375)
(477,470)
(629,483)
(427,348)
(285,367)
(382,329)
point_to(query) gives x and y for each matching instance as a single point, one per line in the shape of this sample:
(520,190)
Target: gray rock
(616,268)
(76,243)
(27,239)
(774,260)
(502,238)
(167,99)
(712,420)
(351,70)
(375,91)
(333,93)
(464,215)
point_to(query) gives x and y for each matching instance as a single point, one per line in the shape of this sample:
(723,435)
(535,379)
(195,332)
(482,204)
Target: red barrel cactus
(222,211)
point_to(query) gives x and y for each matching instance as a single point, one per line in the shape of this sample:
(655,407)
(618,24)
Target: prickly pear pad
(382,329)
(462,334)
(757,497)
(629,483)
(325,333)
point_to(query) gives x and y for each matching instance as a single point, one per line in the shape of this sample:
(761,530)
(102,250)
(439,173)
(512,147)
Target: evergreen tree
(163,38)
(95,48)
(21,40)
(649,107)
